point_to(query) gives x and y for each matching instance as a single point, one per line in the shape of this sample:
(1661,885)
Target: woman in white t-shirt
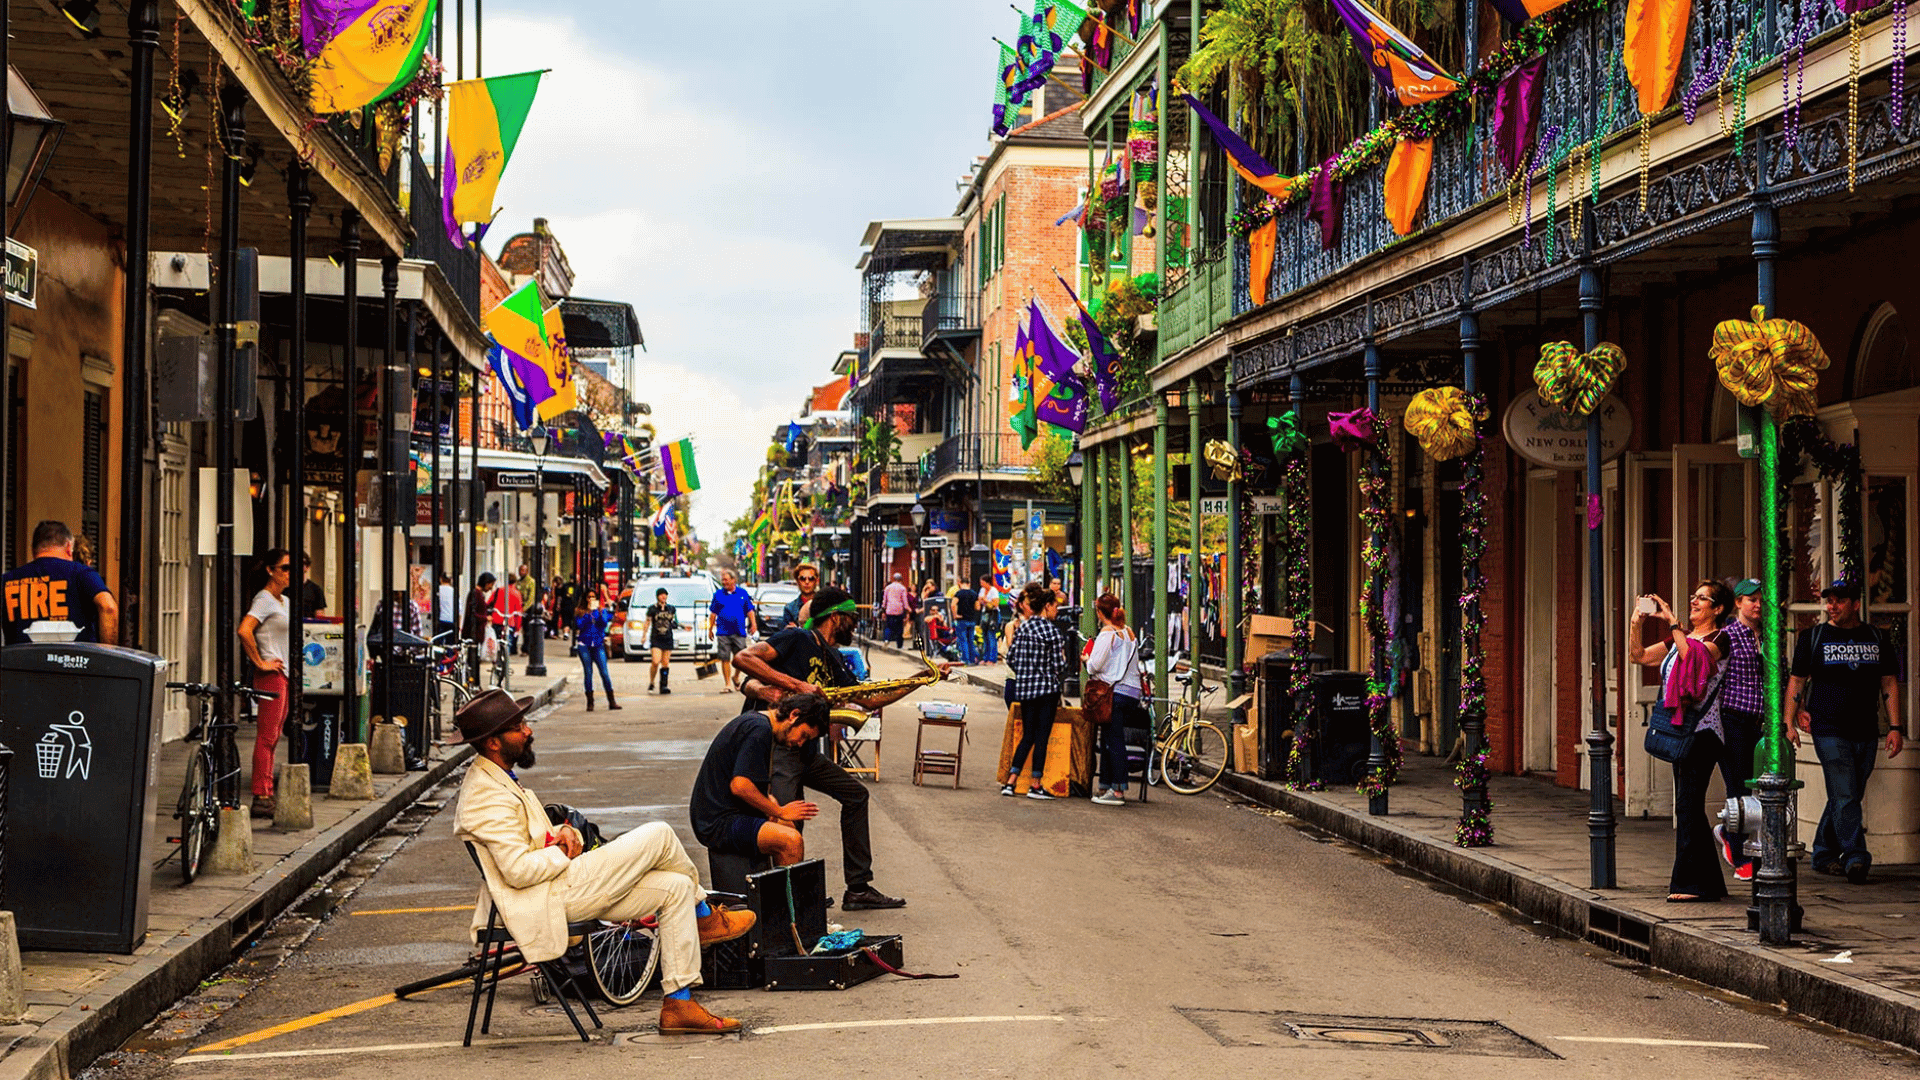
(264,634)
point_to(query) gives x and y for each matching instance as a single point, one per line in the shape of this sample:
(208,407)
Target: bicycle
(1189,753)
(213,774)
(450,668)
(500,668)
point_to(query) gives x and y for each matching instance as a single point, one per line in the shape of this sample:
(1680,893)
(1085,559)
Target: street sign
(935,543)
(1036,545)
(516,481)
(22,273)
(1266,505)
(1216,506)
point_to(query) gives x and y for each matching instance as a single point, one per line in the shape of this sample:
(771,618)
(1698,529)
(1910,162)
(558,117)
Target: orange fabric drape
(1406,186)
(1260,245)
(1656,34)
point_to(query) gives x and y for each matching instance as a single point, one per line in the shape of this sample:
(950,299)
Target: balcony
(893,331)
(461,266)
(898,482)
(1576,108)
(973,455)
(1121,47)
(1200,303)
(950,319)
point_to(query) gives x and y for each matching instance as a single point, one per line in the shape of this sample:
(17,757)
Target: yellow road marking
(306,1022)
(413,910)
(330,1051)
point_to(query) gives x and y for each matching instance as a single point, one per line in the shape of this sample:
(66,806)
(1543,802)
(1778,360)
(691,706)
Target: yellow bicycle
(1189,753)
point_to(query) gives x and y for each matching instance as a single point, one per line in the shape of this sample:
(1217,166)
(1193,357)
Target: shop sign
(1546,436)
(23,273)
(1212,506)
(326,464)
(951,521)
(896,538)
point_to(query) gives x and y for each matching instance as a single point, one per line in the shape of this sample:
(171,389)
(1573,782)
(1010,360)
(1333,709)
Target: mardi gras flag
(1010,90)
(1054,357)
(363,50)
(762,526)
(1400,65)
(1022,419)
(1096,54)
(532,333)
(506,367)
(1245,160)
(676,464)
(484,119)
(1522,10)
(1065,405)
(1054,23)
(1106,362)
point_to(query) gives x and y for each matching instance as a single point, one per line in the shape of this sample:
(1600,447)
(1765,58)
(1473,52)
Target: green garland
(1476,826)
(1296,488)
(1376,515)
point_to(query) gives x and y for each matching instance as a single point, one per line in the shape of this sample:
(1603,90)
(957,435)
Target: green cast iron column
(1158,582)
(1123,457)
(1193,519)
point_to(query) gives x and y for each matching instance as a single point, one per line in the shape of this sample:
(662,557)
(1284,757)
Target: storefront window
(1886,540)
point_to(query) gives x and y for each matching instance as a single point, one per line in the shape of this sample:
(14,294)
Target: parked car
(693,638)
(770,603)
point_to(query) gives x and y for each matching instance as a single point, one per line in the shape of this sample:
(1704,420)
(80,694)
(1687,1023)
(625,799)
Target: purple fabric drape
(1516,113)
(321,20)
(1324,203)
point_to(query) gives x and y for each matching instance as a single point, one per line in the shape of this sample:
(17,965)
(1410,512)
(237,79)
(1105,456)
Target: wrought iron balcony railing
(899,478)
(431,242)
(948,314)
(890,331)
(964,454)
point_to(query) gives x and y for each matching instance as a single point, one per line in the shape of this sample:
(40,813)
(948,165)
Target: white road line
(1658,1042)
(928,1020)
(384,1048)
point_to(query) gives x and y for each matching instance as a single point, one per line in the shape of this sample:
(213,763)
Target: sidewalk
(82,1005)
(1539,867)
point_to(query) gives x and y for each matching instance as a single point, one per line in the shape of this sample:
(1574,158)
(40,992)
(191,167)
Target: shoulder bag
(1670,731)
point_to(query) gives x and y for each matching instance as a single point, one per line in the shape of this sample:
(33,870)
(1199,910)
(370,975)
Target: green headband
(844,607)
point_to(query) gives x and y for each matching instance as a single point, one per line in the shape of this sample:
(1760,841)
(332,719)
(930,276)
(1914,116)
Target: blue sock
(702,910)
(685,993)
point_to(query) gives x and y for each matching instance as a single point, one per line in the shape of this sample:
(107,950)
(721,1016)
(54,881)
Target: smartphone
(1646,606)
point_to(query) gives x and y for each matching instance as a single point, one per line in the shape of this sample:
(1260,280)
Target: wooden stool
(939,714)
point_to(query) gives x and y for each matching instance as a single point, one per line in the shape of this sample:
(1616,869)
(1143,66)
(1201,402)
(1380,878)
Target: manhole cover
(1484,1038)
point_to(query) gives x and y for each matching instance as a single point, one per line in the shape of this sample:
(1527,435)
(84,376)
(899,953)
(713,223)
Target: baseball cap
(1749,587)
(1842,588)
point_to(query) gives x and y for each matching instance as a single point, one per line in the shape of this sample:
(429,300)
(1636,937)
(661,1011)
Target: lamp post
(536,628)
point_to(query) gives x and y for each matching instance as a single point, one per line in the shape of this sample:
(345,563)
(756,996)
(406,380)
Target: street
(1183,936)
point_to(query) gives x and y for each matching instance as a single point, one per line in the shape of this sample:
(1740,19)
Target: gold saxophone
(837,694)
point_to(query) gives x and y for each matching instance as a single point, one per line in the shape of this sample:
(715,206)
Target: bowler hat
(1842,588)
(489,714)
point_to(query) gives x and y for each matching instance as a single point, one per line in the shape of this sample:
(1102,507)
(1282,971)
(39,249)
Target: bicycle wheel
(624,960)
(196,797)
(226,769)
(502,670)
(1194,757)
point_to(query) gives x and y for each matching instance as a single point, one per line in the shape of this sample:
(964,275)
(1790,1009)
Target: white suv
(690,596)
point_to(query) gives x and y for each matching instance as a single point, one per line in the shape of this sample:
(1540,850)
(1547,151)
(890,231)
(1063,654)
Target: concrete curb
(1741,966)
(99,1022)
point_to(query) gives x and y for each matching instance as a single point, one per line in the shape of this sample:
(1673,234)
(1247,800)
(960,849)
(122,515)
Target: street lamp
(536,628)
(1076,467)
(919,515)
(32,134)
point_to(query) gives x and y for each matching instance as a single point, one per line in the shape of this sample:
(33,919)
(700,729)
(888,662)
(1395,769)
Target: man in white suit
(542,879)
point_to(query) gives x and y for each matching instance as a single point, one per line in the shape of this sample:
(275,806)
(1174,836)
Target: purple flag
(1513,9)
(1405,69)
(1324,203)
(1066,404)
(1106,363)
(1516,113)
(1054,356)
(321,20)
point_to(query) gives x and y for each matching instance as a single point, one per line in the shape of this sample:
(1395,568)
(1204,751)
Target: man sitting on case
(731,809)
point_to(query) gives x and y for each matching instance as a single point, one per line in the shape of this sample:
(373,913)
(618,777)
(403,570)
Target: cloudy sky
(715,165)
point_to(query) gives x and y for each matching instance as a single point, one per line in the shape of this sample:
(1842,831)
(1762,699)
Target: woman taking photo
(1038,658)
(1113,697)
(590,639)
(1690,657)
(264,633)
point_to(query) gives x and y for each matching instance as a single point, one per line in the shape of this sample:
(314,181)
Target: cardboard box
(1246,748)
(1269,633)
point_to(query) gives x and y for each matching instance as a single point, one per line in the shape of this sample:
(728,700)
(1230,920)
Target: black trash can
(1341,735)
(317,737)
(84,721)
(1275,671)
(1067,619)
(410,681)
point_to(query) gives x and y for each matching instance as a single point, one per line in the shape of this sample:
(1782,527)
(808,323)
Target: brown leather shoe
(689,1017)
(724,925)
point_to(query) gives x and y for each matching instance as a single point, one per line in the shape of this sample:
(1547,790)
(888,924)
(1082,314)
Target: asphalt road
(1186,936)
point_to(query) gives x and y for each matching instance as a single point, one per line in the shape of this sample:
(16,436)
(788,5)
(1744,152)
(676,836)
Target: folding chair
(495,942)
(939,714)
(852,731)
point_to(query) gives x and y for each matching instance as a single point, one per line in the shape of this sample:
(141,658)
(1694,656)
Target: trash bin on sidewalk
(85,720)
(1274,672)
(315,738)
(409,680)
(1067,619)
(1342,738)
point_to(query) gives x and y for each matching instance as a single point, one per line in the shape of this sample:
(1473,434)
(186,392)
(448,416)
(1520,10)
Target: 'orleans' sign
(1546,436)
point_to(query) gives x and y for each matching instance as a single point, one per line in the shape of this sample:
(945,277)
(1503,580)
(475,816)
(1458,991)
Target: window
(1884,364)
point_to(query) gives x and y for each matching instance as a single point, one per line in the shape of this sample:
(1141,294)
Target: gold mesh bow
(1219,456)
(1573,381)
(1774,363)
(1442,419)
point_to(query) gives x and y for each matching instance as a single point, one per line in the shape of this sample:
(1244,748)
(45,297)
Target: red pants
(271,716)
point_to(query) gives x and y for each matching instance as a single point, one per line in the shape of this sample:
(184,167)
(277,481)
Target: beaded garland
(1476,826)
(1376,562)
(1296,487)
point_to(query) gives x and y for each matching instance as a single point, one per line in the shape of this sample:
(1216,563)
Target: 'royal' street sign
(23,273)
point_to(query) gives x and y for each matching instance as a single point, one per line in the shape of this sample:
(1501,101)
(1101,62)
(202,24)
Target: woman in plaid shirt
(1038,658)
(1740,711)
